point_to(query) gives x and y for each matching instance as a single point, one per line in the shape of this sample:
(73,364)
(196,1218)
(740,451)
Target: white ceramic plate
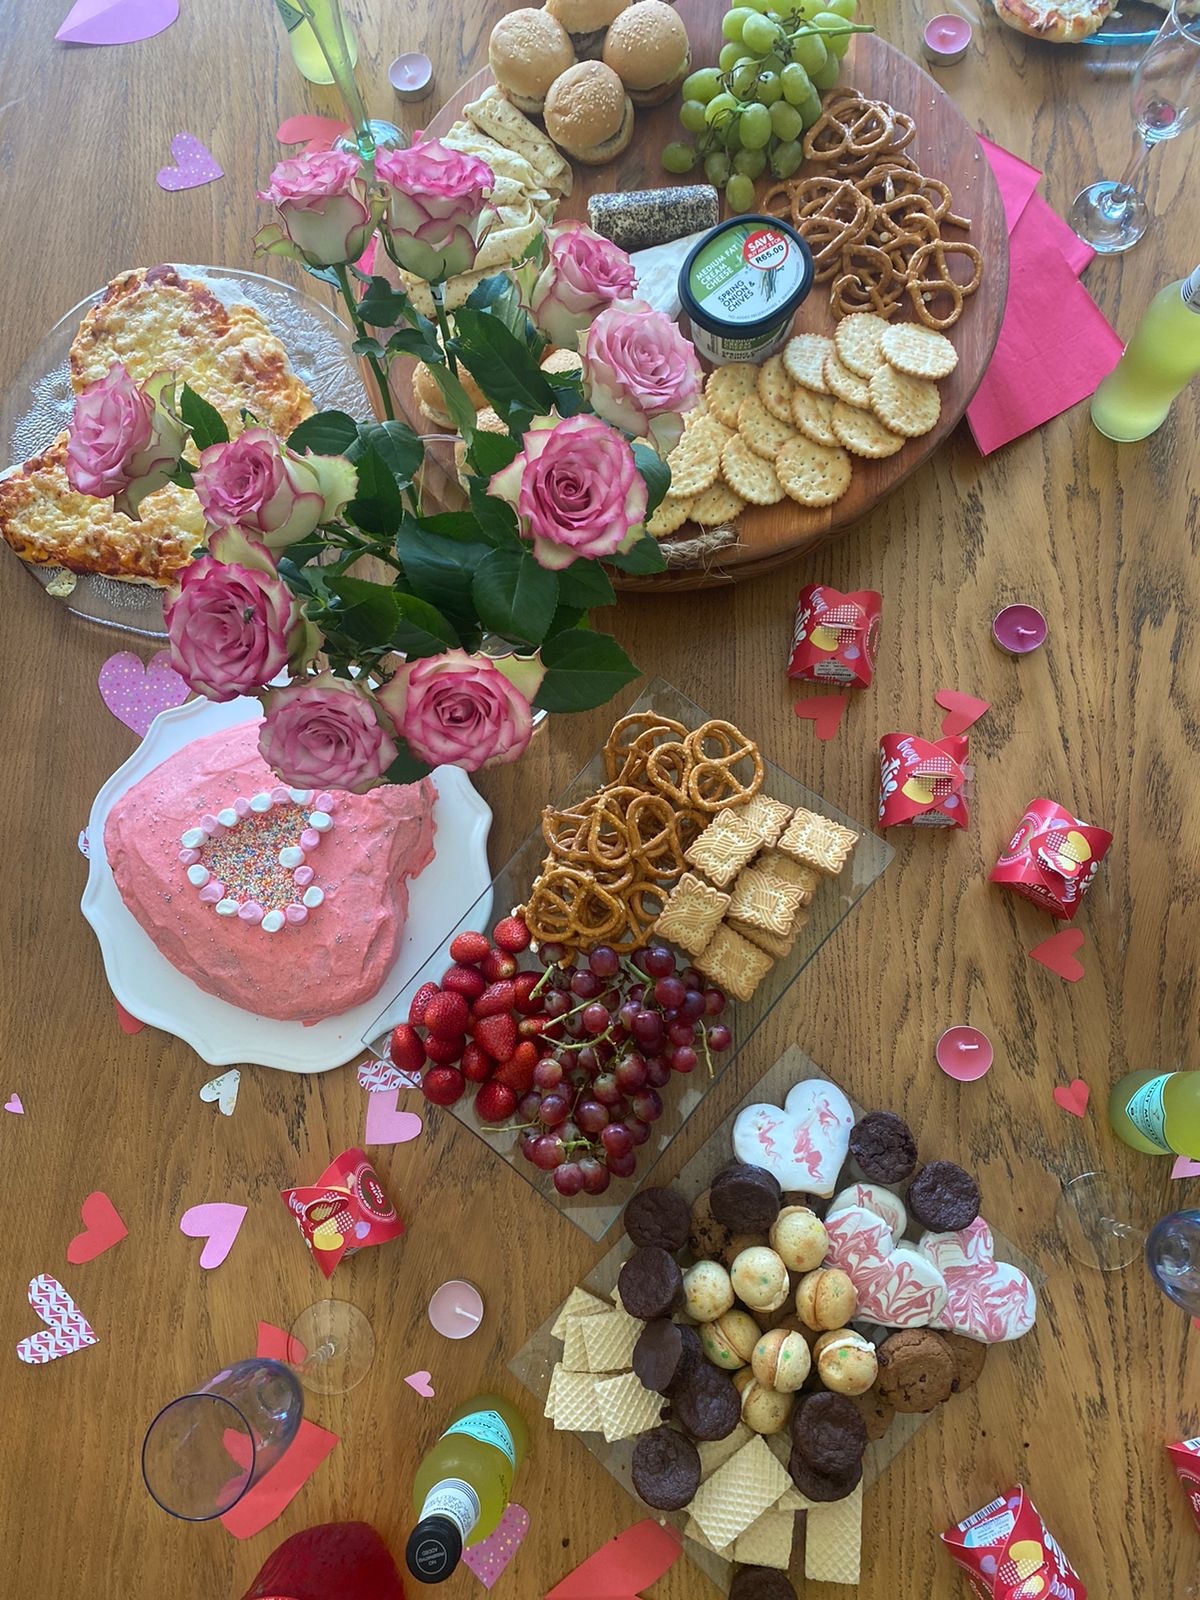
(150,988)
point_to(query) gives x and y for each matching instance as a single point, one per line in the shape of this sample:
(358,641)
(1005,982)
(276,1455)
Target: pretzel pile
(613,856)
(874,221)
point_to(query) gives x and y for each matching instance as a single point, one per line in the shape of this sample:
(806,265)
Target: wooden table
(1105,718)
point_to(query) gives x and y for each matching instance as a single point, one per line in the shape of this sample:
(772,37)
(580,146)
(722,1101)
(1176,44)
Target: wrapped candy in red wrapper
(923,782)
(345,1211)
(836,636)
(1052,858)
(1009,1555)
(1185,1458)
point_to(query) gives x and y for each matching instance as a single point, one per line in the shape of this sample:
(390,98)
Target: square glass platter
(534,1362)
(835,899)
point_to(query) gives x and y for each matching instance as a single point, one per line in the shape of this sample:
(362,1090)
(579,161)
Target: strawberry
(444,1051)
(498,964)
(468,981)
(406,1049)
(443,1085)
(494,1102)
(469,947)
(532,1027)
(446,1015)
(517,1072)
(496,998)
(497,1035)
(477,1065)
(526,1002)
(511,934)
(416,1011)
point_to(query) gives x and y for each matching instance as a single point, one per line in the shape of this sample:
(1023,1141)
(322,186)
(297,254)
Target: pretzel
(868,282)
(921,289)
(568,906)
(667,768)
(617,748)
(713,785)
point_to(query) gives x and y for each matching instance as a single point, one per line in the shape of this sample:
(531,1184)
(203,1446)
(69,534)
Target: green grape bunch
(748,114)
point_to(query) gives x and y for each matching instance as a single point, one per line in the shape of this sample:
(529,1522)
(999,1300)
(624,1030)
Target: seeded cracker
(862,433)
(906,405)
(775,388)
(766,435)
(804,360)
(748,475)
(859,339)
(813,415)
(669,515)
(727,387)
(844,384)
(812,473)
(922,352)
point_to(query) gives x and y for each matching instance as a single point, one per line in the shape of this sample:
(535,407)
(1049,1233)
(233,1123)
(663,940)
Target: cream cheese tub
(741,287)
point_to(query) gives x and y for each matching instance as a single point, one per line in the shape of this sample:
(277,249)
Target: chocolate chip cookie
(650,1284)
(916,1370)
(884,1148)
(666,1469)
(968,1356)
(659,1217)
(943,1197)
(875,1411)
(707,1237)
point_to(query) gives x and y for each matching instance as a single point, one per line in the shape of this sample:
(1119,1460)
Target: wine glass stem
(1115,204)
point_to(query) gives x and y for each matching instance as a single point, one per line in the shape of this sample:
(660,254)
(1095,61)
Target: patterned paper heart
(986,1299)
(804,1143)
(488,1559)
(135,692)
(224,1090)
(68,1329)
(381,1077)
(897,1287)
(194,165)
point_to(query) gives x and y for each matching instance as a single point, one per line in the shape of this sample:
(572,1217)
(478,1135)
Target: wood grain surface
(1105,719)
(945,148)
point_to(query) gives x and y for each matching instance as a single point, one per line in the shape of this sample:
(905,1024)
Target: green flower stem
(360,329)
(435,290)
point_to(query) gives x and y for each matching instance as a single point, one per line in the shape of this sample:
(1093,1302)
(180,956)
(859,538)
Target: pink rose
(232,627)
(124,440)
(584,274)
(323,215)
(640,372)
(257,483)
(576,489)
(437,207)
(325,733)
(464,711)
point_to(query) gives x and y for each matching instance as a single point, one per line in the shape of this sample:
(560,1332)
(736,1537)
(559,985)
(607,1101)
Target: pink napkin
(1055,345)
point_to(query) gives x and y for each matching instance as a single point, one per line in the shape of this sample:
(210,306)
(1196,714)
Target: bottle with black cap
(462,1487)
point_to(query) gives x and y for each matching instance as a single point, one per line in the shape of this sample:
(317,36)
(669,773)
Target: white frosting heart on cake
(988,1300)
(804,1142)
(875,1198)
(897,1285)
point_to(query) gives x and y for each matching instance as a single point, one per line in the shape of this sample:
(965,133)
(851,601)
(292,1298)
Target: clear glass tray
(534,1362)
(37,407)
(834,901)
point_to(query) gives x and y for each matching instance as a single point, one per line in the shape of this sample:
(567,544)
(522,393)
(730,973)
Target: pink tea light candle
(1019,630)
(946,39)
(411,75)
(456,1309)
(964,1054)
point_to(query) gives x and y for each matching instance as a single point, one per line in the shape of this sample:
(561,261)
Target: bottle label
(291,17)
(456,1500)
(1191,291)
(490,1428)
(1147,1112)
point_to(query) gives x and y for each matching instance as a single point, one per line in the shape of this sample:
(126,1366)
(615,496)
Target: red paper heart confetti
(1073,1097)
(962,710)
(1057,954)
(102,1228)
(621,1569)
(194,165)
(129,1023)
(313,132)
(824,711)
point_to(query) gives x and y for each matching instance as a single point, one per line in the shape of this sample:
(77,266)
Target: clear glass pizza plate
(36,407)
(534,1362)
(832,904)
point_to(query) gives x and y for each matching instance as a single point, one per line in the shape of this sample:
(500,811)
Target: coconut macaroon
(527,51)
(588,113)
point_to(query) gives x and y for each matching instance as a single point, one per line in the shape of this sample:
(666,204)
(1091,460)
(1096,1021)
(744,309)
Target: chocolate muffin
(746,1199)
(691,1356)
(829,1433)
(822,1486)
(968,1356)
(650,1284)
(943,1198)
(884,1148)
(657,1354)
(660,1217)
(666,1469)
(707,1406)
(761,1583)
(916,1370)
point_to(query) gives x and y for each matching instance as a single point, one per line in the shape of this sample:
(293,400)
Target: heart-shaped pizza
(986,1299)
(803,1142)
(897,1285)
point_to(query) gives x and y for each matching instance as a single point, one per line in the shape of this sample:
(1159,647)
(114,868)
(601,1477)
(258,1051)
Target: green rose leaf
(585,584)
(655,471)
(568,394)
(369,347)
(183,475)
(323,274)
(422,630)
(583,669)
(491,452)
(329,433)
(441,572)
(368,612)
(396,445)
(462,526)
(500,298)
(645,556)
(496,518)
(502,364)
(458,402)
(377,507)
(205,421)
(415,342)
(407,768)
(514,596)
(382,306)
(565,617)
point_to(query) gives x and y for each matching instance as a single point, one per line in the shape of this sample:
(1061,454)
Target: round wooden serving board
(947,148)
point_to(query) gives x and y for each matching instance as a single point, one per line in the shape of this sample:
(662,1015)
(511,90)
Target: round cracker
(804,360)
(727,387)
(765,434)
(844,384)
(859,339)
(775,388)
(862,432)
(906,405)
(716,505)
(921,352)
(812,473)
(670,513)
(700,409)
(695,462)
(749,475)
(812,413)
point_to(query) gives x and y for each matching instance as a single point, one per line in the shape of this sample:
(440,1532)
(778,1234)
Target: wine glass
(331,1346)
(1099,1222)
(205,1450)
(1112,215)
(1173,1258)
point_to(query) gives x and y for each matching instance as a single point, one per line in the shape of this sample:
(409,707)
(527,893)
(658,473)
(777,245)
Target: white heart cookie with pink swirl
(804,1142)
(896,1285)
(988,1300)
(881,1202)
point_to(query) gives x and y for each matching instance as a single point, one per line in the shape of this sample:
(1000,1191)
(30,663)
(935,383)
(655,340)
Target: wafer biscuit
(862,433)
(922,352)
(813,474)
(609,1340)
(905,404)
(626,1408)
(575,1356)
(844,384)
(716,1452)
(579,1303)
(765,434)
(576,1409)
(691,914)
(804,360)
(727,387)
(694,1532)
(833,1540)
(859,339)
(767,1542)
(548,1408)
(738,1493)
(748,475)
(775,388)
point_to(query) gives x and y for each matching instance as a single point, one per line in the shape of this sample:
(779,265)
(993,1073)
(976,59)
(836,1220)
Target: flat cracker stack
(593,1388)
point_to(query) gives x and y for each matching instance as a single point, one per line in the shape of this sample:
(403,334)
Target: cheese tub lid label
(747,275)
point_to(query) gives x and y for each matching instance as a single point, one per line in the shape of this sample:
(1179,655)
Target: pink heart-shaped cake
(803,1142)
(986,1299)
(286,903)
(896,1285)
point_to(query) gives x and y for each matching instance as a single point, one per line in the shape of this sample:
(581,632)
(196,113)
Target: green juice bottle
(1158,1113)
(1161,359)
(463,1486)
(307,54)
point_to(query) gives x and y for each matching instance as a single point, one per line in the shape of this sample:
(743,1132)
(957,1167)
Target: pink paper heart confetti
(13,1104)
(387,1125)
(217,1222)
(116,21)
(194,165)
(1184,1167)
(135,692)
(488,1559)
(380,1077)
(68,1330)
(1073,1097)
(962,710)
(824,711)
(102,1228)
(420,1382)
